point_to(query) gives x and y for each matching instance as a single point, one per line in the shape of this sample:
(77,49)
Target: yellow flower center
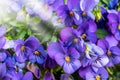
(59,20)
(98,77)
(37,53)
(71,13)
(109,53)
(22,48)
(84,14)
(67,58)
(46,7)
(75,40)
(119,26)
(87,49)
(83,36)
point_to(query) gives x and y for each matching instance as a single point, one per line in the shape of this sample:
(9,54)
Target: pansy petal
(115,50)
(2,70)
(103,44)
(117,35)
(60,59)
(87,5)
(53,49)
(71,5)
(103,72)
(28,76)
(32,42)
(68,68)
(97,49)
(66,34)
(74,53)
(76,65)
(3,56)
(92,26)
(49,76)
(111,40)
(2,31)
(116,60)
(32,58)
(92,37)
(112,18)
(2,42)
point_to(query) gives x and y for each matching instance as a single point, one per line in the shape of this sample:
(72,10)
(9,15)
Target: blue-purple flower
(101,74)
(87,31)
(68,58)
(71,37)
(114,24)
(24,48)
(38,55)
(112,51)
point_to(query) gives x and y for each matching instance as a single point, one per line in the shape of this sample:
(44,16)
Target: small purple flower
(113,52)
(94,55)
(101,74)
(114,24)
(24,48)
(87,7)
(87,31)
(71,37)
(38,55)
(48,76)
(69,13)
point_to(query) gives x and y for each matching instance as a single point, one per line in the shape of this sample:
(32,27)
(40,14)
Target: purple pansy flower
(68,58)
(87,7)
(38,55)
(114,24)
(24,48)
(101,74)
(87,31)
(69,13)
(94,55)
(48,76)
(71,37)
(113,52)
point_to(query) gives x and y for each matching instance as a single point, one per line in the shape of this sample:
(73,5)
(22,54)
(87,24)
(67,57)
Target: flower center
(46,7)
(75,40)
(83,36)
(109,53)
(98,77)
(59,20)
(119,27)
(71,13)
(84,14)
(87,49)
(22,48)
(67,58)
(37,53)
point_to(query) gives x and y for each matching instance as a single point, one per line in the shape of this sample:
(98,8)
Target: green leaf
(101,33)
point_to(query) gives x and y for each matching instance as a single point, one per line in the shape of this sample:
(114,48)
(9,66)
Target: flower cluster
(79,49)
